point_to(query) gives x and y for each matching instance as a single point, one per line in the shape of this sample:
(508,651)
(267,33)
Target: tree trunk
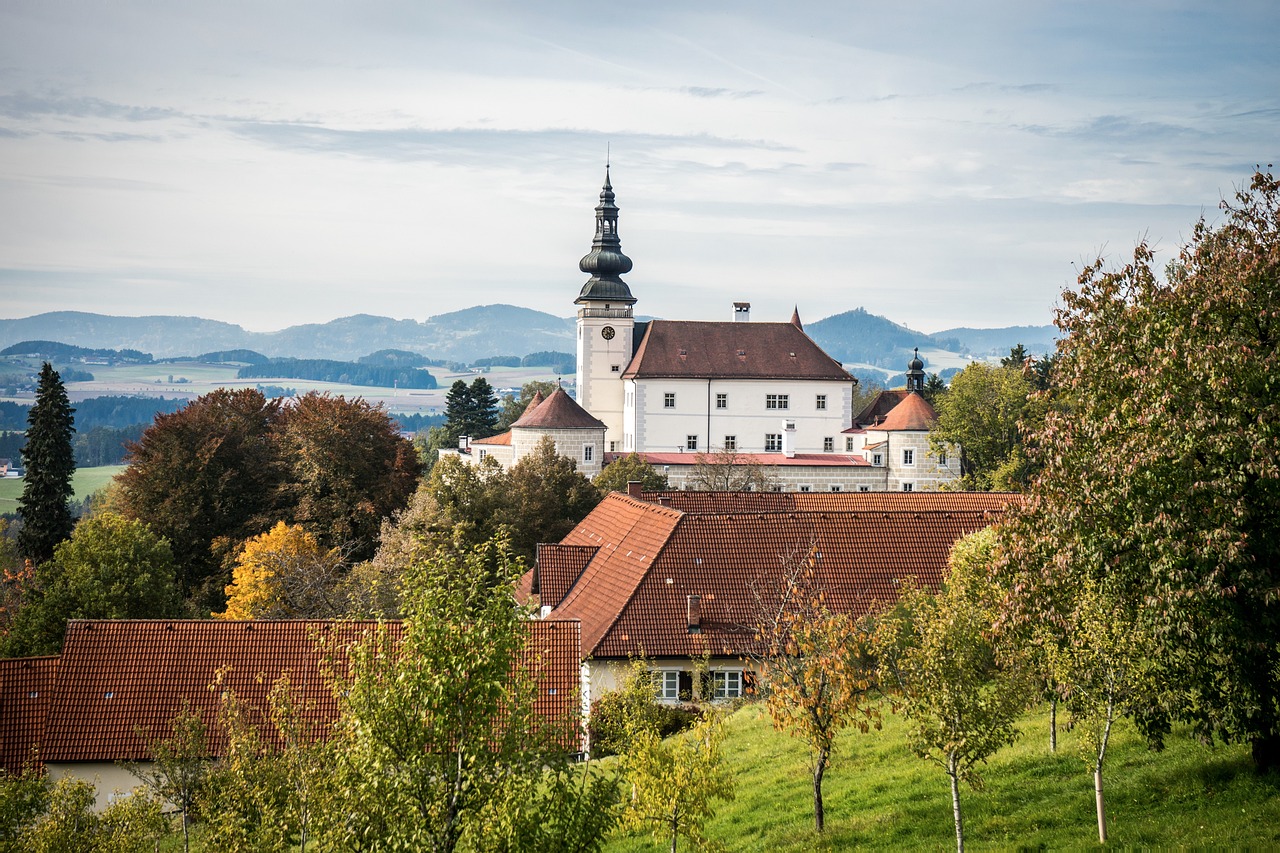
(1265,749)
(819,768)
(1102,810)
(1053,724)
(954,773)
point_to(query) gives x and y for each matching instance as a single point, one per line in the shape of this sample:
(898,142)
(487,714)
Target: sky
(942,164)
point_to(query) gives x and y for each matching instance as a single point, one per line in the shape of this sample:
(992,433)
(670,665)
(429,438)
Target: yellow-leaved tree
(285,574)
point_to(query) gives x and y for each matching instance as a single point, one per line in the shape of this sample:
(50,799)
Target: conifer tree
(49,461)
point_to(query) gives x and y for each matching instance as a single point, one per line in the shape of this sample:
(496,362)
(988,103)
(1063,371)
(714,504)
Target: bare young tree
(726,470)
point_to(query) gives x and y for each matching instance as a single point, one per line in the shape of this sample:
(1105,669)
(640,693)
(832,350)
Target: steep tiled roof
(913,413)
(559,411)
(117,677)
(558,569)
(707,350)
(812,460)
(629,534)
(633,596)
(878,409)
(24,700)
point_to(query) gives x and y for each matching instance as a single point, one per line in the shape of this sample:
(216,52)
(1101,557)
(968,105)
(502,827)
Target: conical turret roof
(559,411)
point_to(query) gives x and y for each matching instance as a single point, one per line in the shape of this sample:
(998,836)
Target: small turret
(915,373)
(605,261)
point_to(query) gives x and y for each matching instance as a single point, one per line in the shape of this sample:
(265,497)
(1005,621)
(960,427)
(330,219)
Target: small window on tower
(588,452)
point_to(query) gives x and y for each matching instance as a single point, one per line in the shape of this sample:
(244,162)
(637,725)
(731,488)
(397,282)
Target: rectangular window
(864,488)
(730,442)
(668,401)
(615,368)
(821,403)
(942,457)
(806,488)
(588,452)
(848,444)
(691,442)
(722,401)
(908,457)
(613,446)
(773,442)
(483,453)
(777,401)
(726,684)
(908,487)
(877,459)
(828,445)
(835,487)
(666,684)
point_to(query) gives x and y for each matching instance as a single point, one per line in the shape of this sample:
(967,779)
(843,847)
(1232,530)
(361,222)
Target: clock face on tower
(607,333)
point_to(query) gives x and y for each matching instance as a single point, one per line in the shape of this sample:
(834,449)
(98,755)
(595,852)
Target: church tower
(606,324)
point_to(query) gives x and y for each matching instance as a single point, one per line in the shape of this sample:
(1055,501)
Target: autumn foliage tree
(815,666)
(286,573)
(1162,471)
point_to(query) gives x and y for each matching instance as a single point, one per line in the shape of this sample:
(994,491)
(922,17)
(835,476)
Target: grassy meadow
(85,482)
(879,796)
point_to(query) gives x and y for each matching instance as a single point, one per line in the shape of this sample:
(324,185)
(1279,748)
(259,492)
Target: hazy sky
(940,163)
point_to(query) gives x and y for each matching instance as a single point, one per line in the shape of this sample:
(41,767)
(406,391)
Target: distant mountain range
(488,330)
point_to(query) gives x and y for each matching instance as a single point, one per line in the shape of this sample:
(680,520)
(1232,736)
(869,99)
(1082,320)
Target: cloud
(705,92)
(23,105)
(1114,128)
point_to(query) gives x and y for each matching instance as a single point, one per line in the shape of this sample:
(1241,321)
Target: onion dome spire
(915,373)
(605,261)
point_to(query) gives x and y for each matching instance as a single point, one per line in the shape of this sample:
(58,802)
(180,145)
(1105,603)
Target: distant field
(86,481)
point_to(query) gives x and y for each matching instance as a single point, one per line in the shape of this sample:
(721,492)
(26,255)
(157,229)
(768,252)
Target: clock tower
(606,324)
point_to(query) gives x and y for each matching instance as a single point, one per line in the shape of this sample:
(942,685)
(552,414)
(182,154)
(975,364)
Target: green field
(86,481)
(878,795)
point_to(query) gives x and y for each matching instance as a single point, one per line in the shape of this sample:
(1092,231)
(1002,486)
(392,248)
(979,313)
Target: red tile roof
(708,350)
(813,460)
(559,411)
(558,568)
(24,701)
(913,413)
(632,598)
(879,408)
(731,502)
(116,677)
(503,439)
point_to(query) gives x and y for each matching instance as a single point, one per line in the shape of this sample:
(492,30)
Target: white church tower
(606,324)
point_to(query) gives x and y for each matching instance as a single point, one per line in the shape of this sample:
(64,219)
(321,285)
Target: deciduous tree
(286,574)
(179,766)
(630,468)
(727,470)
(49,462)
(980,414)
(546,498)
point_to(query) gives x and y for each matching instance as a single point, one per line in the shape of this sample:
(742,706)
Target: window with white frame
(820,402)
(908,487)
(588,452)
(483,453)
(848,444)
(942,457)
(835,487)
(613,446)
(908,456)
(828,445)
(690,442)
(668,401)
(726,684)
(777,401)
(773,442)
(864,488)
(730,442)
(877,459)
(615,368)
(722,401)
(666,684)
(805,488)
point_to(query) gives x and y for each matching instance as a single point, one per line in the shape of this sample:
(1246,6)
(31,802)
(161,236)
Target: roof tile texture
(913,413)
(117,678)
(559,411)
(558,569)
(25,684)
(711,350)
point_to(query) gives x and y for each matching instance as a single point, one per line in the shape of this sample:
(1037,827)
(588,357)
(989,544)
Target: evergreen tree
(470,410)
(49,462)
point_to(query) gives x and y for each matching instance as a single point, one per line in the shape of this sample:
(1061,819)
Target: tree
(1162,470)
(286,574)
(429,726)
(675,782)
(49,461)
(513,406)
(815,666)
(980,414)
(1103,670)
(207,477)
(470,410)
(726,470)
(630,468)
(347,468)
(936,654)
(70,824)
(111,568)
(179,766)
(546,498)
(934,387)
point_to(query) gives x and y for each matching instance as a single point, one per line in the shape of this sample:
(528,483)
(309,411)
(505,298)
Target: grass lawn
(86,481)
(878,795)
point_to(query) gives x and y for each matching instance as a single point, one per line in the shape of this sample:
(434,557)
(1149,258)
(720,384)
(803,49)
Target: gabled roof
(24,701)
(711,350)
(879,407)
(559,411)
(118,677)
(633,597)
(913,413)
(558,568)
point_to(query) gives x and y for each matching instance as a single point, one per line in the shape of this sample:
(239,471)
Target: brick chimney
(693,608)
(634,488)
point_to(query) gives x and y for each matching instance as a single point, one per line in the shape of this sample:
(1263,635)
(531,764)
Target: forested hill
(486,331)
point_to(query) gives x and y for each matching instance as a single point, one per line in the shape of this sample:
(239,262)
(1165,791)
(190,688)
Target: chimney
(789,439)
(693,607)
(741,312)
(464,444)
(634,487)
